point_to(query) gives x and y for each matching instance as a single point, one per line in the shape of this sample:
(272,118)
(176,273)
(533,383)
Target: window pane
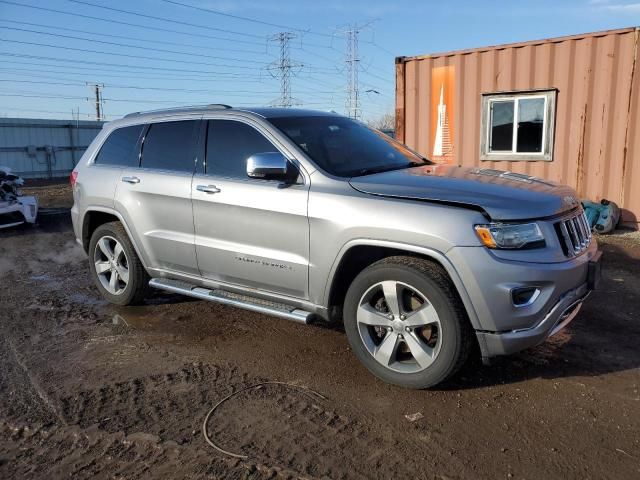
(502,126)
(229,144)
(118,149)
(530,125)
(170,146)
(344,147)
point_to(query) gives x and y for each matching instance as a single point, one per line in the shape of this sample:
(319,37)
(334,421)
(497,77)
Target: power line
(136,75)
(130,24)
(138,67)
(179,22)
(162,50)
(143,57)
(125,37)
(161,89)
(247,19)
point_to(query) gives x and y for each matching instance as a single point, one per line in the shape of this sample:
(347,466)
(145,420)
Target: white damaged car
(15,208)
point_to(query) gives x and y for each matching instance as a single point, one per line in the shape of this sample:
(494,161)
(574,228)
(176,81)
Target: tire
(111,252)
(429,337)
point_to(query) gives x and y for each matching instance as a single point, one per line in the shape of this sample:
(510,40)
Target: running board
(267,307)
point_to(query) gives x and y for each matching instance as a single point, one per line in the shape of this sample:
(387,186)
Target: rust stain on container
(597,124)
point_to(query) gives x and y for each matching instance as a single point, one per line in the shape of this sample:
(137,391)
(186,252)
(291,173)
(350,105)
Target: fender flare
(436,255)
(116,214)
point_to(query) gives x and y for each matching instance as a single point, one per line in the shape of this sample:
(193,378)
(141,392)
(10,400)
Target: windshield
(346,148)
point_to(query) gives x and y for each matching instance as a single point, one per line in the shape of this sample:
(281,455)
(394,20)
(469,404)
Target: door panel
(253,233)
(249,232)
(156,198)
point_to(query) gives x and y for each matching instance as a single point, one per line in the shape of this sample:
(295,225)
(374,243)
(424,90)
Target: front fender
(435,255)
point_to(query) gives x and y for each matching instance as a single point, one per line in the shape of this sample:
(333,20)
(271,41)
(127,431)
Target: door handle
(208,189)
(131,179)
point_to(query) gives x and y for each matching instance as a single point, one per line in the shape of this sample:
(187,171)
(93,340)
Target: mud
(88,390)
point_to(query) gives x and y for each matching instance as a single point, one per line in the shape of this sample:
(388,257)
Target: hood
(502,195)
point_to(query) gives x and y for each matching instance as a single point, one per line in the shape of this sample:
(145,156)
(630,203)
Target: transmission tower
(99,101)
(282,68)
(353,66)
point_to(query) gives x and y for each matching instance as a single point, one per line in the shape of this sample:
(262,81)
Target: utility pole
(99,102)
(282,67)
(353,66)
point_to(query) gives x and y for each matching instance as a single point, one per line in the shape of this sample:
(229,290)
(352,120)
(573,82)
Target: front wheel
(405,322)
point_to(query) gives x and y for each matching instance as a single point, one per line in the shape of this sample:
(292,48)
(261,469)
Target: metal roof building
(37,148)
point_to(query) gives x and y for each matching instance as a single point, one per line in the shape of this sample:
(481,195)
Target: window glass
(229,144)
(170,146)
(344,147)
(118,148)
(502,126)
(530,125)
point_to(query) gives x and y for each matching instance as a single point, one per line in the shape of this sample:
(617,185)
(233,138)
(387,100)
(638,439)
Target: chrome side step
(267,307)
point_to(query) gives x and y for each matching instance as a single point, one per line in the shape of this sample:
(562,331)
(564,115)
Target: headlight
(509,235)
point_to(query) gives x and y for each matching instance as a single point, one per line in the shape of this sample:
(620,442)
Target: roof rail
(221,106)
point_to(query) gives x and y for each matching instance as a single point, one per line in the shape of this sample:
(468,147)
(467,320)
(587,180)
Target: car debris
(15,208)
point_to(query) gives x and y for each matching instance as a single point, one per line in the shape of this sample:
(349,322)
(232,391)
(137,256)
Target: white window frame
(548,126)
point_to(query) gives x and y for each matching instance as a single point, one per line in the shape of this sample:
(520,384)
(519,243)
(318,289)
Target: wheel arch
(96,216)
(359,254)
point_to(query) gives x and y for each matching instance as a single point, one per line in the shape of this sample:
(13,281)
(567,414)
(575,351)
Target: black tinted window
(170,146)
(344,147)
(229,144)
(119,147)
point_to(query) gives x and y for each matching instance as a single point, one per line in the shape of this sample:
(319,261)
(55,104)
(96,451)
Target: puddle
(84,299)
(41,278)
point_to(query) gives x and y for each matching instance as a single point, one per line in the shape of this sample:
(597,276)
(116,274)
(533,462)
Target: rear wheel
(406,323)
(115,266)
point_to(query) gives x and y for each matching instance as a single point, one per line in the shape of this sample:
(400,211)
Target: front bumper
(503,328)
(506,343)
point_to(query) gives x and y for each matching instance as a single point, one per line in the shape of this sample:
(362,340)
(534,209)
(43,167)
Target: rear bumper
(562,313)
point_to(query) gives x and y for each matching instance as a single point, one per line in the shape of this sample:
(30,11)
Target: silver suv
(304,214)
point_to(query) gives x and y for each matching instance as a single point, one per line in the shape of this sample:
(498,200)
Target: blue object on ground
(603,217)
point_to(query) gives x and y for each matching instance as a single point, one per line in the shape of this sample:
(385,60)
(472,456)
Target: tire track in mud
(32,382)
(271,424)
(92,453)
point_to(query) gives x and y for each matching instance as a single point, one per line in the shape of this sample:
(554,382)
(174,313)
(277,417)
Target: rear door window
(119,148)
(170,146)
(229,144)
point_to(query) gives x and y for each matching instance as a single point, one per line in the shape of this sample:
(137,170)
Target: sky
(151,54)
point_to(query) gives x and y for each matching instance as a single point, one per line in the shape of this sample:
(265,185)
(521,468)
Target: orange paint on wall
(443,94)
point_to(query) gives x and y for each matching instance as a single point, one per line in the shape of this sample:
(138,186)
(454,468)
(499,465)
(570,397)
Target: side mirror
(268,166)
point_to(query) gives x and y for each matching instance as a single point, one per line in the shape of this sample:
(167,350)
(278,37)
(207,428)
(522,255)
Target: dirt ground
(88,390)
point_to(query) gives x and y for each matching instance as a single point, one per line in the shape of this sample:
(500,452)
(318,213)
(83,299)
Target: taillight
(73,178)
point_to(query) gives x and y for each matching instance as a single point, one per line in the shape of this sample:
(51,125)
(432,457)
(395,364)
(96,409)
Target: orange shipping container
(564,109)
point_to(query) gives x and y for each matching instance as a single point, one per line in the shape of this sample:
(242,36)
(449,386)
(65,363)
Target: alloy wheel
(112,265)
(399,326)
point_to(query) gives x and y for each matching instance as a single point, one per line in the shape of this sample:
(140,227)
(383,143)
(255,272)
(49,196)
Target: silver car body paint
(252,237)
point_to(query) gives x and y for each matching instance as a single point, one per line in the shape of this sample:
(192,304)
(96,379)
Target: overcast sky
(47,57)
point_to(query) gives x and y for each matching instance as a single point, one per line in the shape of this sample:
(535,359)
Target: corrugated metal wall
(35,148)
(597,129)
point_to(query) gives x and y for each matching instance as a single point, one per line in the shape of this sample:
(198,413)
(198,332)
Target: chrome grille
(574,234)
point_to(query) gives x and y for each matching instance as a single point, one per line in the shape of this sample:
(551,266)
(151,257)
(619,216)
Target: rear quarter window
(119,148)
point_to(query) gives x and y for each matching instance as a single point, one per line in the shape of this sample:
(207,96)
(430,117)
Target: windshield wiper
(373,170)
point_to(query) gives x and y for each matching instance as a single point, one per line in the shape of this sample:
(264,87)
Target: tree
(386,121)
